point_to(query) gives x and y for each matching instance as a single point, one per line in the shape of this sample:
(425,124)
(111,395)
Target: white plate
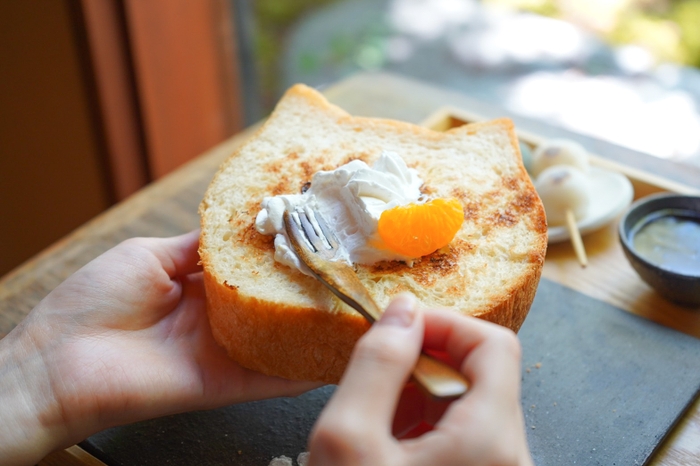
(611,193)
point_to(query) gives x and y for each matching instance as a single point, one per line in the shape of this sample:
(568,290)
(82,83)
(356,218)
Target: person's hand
(125,338)
(484,427)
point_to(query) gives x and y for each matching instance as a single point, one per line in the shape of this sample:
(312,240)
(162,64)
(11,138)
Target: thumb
(178,254)
(382,362)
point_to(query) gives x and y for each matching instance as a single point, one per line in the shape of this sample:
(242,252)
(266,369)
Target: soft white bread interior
(276,320)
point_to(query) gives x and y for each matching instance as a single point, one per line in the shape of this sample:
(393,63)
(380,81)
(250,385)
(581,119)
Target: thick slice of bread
(276,320)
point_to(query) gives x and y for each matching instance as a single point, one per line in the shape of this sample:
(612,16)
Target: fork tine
(310,231)
(317,230)
(326,232)
(295,227)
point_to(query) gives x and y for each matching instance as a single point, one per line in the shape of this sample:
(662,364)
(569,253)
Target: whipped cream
(351,199)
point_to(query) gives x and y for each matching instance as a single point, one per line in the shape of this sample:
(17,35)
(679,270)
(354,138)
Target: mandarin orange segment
(416,230)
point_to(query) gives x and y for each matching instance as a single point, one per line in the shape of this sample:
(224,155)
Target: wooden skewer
(576,240)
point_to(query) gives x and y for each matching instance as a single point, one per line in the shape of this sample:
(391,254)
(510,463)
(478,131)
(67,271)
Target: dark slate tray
(600,387)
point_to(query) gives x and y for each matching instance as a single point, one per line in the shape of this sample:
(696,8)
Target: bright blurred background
(98,98)
(620,70)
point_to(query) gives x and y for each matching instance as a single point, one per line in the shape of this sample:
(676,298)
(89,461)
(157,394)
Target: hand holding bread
(125,338)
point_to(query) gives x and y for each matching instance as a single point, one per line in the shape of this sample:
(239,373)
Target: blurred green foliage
(687,15)
(669,29)
(273,19)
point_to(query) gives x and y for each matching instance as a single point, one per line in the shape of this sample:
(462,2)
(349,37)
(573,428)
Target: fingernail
(401,311)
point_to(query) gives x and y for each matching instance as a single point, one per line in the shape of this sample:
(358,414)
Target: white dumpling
(559,152)
(563,187)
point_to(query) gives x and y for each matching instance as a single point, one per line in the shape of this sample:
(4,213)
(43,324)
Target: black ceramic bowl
(680,287)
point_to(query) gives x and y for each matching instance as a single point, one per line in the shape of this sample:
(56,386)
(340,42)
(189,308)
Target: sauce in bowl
(669,239)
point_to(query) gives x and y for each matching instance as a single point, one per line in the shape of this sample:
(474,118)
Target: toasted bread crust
(266,337)
(278,321)
(308,343)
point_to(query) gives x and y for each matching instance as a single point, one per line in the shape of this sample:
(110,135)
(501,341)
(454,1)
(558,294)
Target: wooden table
(169,207)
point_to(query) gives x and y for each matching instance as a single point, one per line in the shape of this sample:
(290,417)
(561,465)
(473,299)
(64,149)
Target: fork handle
(343,282)
(438,379)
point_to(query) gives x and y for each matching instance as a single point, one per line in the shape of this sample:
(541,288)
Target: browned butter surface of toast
(276,320)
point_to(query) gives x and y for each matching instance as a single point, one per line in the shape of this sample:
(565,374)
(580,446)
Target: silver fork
(317,246)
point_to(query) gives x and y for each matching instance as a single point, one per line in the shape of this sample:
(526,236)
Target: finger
(381,364)
(493,368)
(495,364)
(488,354)
(461,337)
(440,326)
(179,254)
(154,267)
